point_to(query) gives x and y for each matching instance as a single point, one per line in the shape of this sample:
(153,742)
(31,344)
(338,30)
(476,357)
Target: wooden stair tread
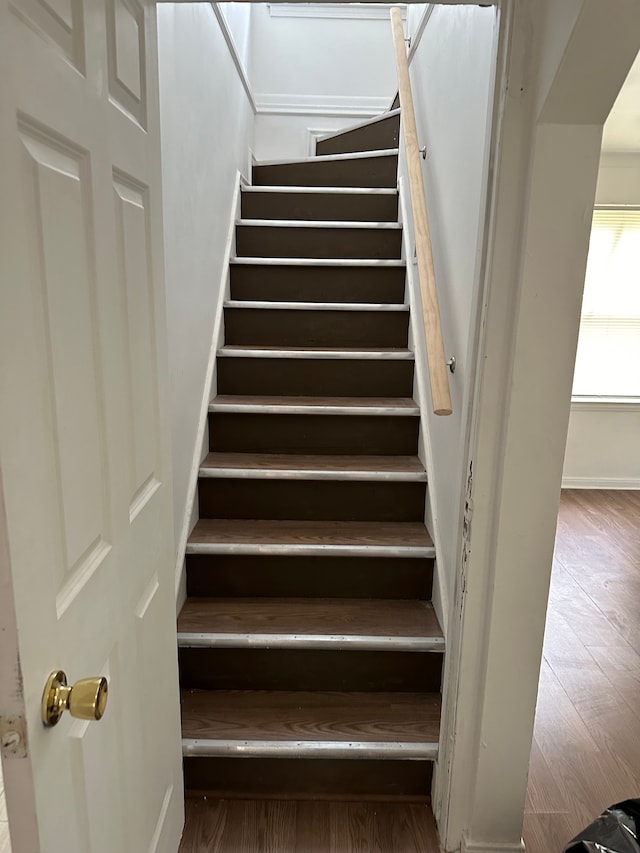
(303,616)
(319,403)
(313,462)
(383,534)
(306,715)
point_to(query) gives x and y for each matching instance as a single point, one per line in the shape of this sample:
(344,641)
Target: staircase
(310,653)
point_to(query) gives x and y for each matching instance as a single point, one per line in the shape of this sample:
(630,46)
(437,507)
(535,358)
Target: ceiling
(622,128)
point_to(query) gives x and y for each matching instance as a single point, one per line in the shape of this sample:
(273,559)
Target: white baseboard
(601,482)
(325,105)
(208,390)
(469,846)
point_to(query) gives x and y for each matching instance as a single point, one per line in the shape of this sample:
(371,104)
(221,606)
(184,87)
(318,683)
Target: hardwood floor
(586,748)
(254,826)
(5,841)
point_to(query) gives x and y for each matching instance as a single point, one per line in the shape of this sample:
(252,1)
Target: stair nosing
(316,354)
(211,747)
(290,189)
(289,549)
(395,307)
(250,260)
(327,158)
(259,640)
(307,409)
(337,475)
(366,123)
(343,224)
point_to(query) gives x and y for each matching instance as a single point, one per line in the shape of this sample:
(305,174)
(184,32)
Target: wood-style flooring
(262,826)
(586,748)
(5,841)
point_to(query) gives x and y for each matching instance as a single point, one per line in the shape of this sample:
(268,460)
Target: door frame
(14,748)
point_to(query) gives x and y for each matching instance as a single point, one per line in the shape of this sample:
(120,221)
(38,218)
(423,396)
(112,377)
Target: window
(608,358)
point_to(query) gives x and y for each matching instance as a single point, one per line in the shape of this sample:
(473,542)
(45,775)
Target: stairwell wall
(452,75)
(207,134)
(316,69)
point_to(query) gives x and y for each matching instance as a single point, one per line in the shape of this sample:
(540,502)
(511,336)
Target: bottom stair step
(308,779)
(231,826)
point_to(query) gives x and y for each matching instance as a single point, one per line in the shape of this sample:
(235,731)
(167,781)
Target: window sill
(605,404)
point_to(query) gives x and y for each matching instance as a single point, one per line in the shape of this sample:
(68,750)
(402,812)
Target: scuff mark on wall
(466,534)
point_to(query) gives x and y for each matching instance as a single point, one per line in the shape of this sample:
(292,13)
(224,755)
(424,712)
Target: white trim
(313,134)
(482,847)
(198,450)
(15,755)
(272,103)
(601,482)
(353,11)
(605,404)
(417,36)
(235,55)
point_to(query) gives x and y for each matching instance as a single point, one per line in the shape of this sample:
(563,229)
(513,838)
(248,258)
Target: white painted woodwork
(83,430)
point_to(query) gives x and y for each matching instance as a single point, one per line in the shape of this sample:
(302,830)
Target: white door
(84,449)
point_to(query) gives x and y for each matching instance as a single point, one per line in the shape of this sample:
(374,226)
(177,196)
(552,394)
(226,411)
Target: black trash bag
(617,830)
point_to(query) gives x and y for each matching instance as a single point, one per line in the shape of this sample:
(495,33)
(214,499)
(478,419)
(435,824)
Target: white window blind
(608,358)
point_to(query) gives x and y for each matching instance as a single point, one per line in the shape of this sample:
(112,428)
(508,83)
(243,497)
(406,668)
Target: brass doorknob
(86,699)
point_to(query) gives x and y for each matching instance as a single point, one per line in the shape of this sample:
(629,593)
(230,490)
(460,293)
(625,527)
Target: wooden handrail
(440,392)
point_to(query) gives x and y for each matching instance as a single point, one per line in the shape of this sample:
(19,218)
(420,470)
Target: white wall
(207,127)
(315,72)
(603,450)
(452,79)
